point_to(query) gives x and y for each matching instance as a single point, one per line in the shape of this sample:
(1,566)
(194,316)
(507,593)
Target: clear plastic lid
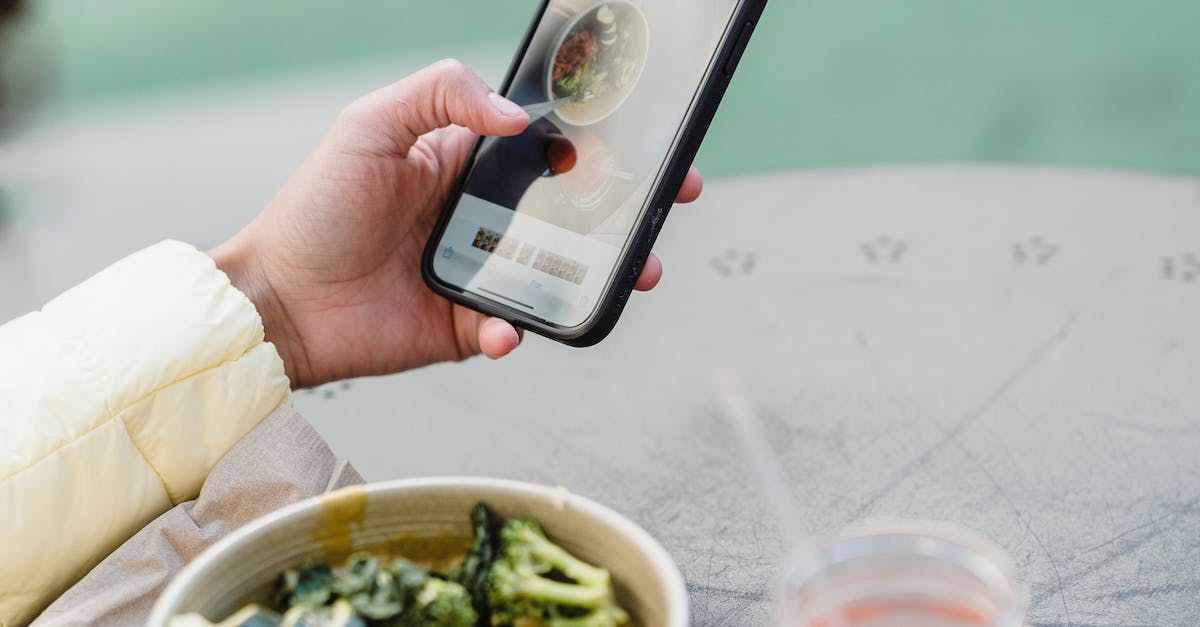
(901,574)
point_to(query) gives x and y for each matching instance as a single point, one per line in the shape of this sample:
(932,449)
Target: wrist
(246,273)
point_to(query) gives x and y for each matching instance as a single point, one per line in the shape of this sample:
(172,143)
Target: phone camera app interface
(546,215)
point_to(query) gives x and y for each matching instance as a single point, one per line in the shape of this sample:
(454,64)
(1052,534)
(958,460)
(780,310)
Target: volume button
(735,55)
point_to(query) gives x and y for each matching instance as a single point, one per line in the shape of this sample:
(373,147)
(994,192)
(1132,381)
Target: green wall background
(1112,83)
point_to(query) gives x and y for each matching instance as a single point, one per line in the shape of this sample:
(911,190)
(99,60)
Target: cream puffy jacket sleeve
(116,400)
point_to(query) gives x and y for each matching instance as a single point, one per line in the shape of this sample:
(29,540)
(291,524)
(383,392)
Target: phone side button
(735,55)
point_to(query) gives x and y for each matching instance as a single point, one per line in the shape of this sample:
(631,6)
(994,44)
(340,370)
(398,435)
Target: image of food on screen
(597,61)
(545,216)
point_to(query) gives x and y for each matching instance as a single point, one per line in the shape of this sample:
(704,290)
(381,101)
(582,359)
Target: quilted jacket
(116,399)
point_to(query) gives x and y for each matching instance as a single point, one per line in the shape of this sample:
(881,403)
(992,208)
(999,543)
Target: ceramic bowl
(604,105)
(430,517)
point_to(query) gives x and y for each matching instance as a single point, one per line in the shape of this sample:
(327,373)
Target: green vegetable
(476,569)
(374,593)
(513,577)
(396,594)
(530,581)
(439,603)
(582,81)
(311,584)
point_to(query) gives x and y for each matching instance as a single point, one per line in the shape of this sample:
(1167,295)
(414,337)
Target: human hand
(333,262)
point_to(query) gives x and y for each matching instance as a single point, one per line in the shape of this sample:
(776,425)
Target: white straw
(761,455)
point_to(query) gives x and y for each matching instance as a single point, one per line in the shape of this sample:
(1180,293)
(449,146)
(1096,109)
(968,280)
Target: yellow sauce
(341,514)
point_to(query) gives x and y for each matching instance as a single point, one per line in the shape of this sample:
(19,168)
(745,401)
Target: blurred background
(182,118)
(1097,82)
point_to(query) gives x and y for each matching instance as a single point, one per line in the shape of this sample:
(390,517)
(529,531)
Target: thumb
(444,94)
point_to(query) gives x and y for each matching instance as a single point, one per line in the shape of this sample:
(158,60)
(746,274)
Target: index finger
(693,185)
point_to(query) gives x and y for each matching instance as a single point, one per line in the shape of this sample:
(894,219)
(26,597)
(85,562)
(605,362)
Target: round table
(1012,349)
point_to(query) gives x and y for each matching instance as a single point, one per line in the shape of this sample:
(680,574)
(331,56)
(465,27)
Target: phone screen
(546,216)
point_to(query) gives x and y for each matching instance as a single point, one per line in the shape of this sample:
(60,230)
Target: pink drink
(902,575)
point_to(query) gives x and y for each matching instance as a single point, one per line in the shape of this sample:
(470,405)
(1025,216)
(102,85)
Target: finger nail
(505,106)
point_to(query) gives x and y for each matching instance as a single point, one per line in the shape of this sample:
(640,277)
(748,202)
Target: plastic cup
(902,574)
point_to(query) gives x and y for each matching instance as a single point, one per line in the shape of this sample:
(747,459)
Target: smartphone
(550,229)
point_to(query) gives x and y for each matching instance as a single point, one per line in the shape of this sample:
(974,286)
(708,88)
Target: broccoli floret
(528,581)
(425,600)
(473,574)
(440,603)
(373,592)
(395,593)
(409,577)
(311,584)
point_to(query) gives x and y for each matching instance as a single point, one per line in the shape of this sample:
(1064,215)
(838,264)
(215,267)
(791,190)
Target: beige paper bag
(281,461)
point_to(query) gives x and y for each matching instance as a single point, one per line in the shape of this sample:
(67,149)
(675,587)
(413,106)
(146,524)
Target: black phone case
(612,303)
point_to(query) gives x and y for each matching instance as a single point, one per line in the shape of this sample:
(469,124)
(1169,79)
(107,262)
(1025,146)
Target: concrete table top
(1014,349)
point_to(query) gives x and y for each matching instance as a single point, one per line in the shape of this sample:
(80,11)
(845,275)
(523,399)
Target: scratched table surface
(1014,349)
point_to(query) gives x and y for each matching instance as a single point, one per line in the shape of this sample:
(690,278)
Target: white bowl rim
(677,589)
